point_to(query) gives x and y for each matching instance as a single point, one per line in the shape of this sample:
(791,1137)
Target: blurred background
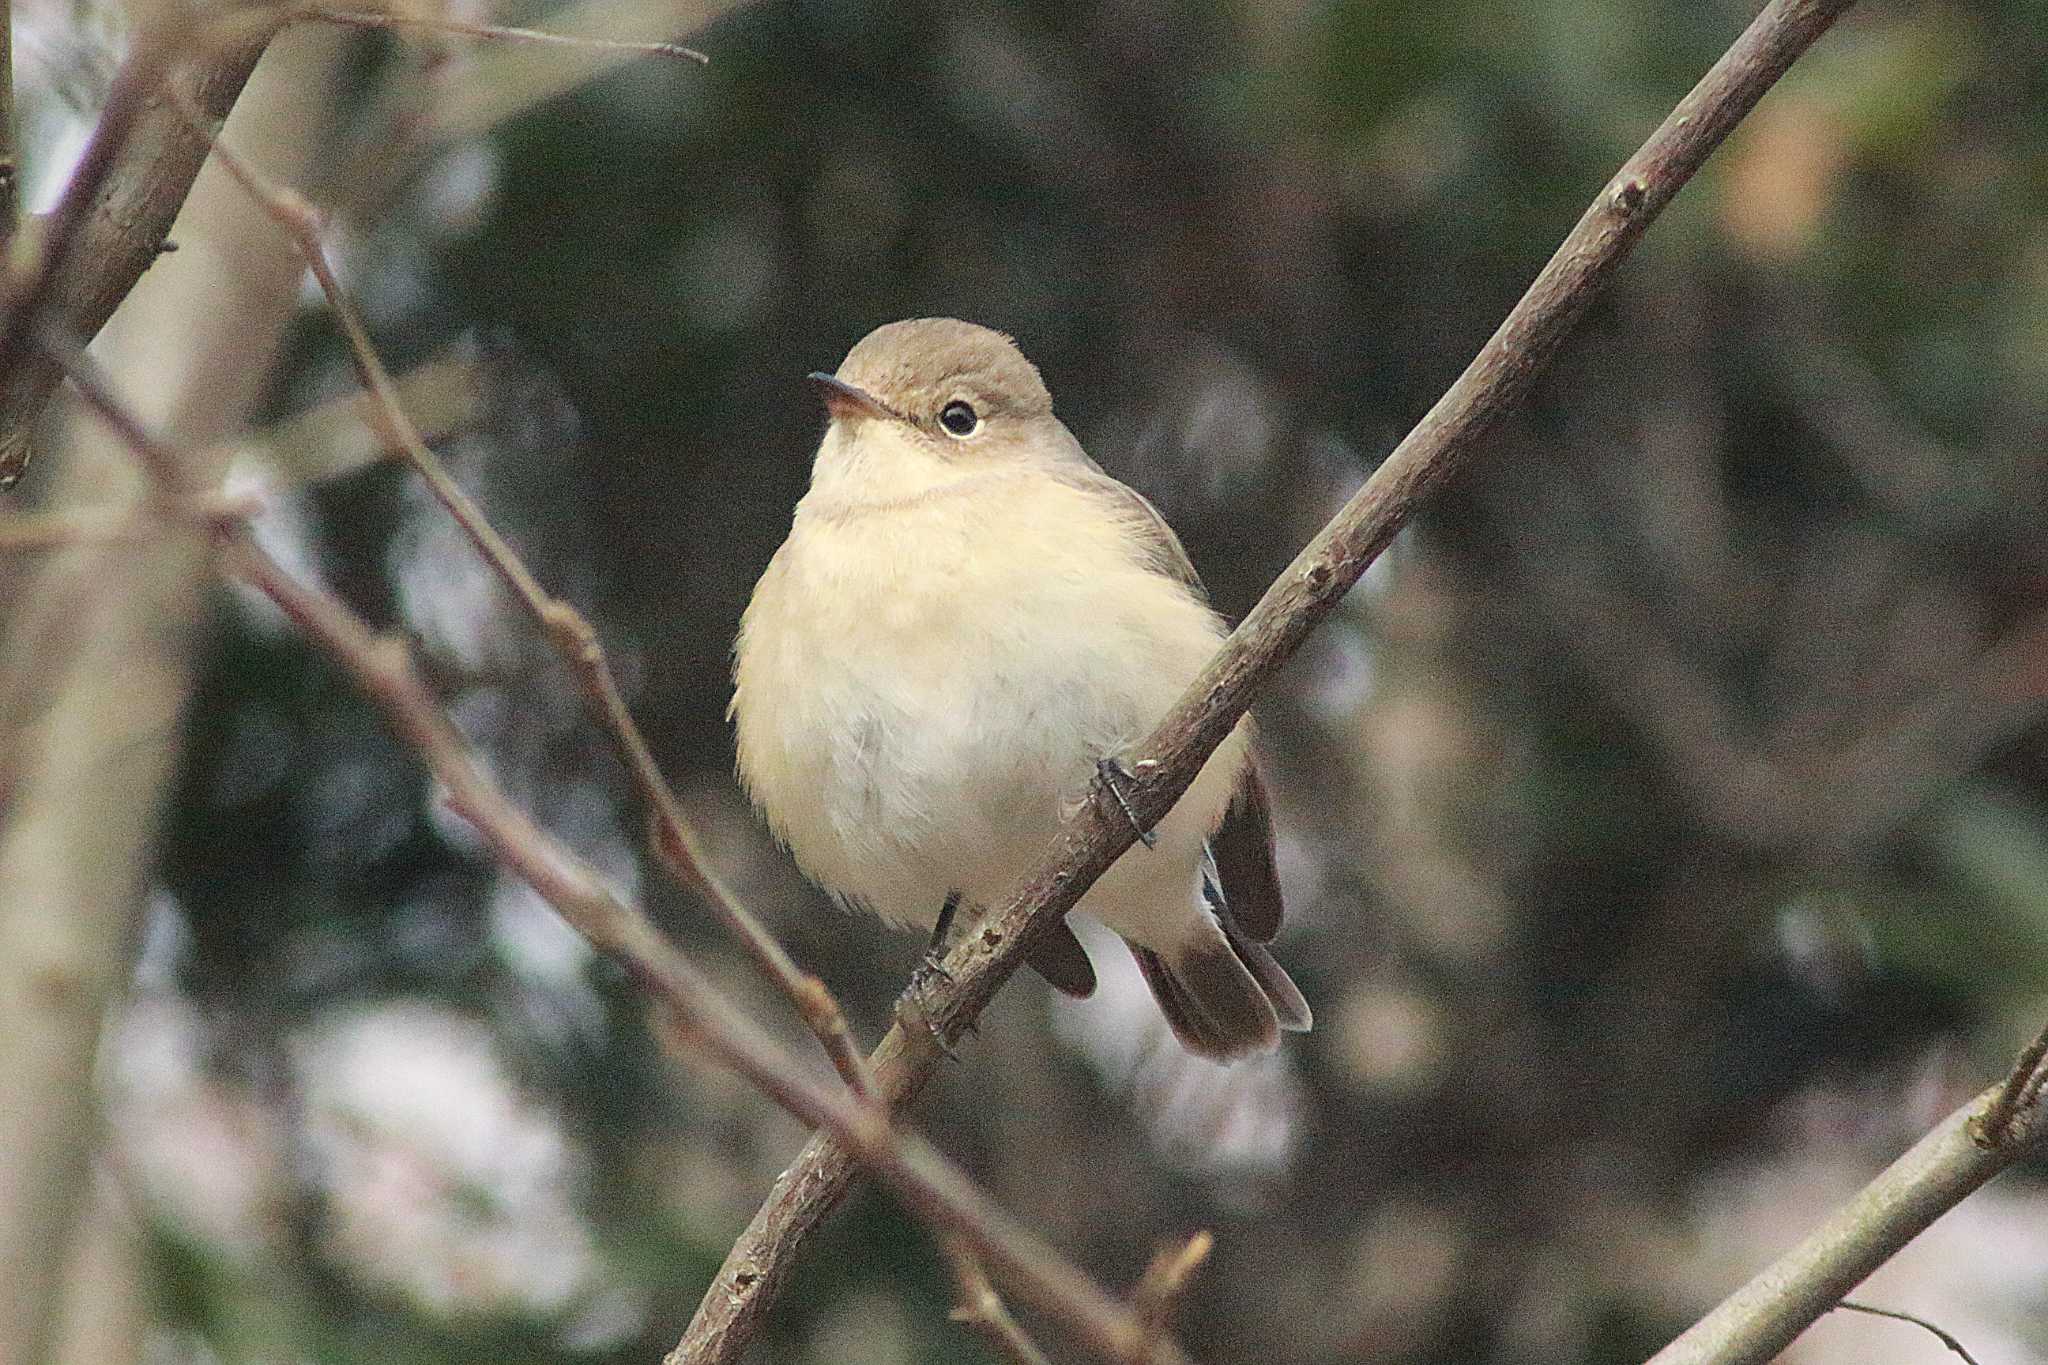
(1664,821)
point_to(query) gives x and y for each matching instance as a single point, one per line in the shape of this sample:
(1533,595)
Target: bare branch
(981,1307)
(1163,1282)
(688,1011)
(1440,446)
(511,78)
(1946,1338)
(381,19)
(1762,1318)
(55,530)
(117,208)
(573,636)
(2017,1096)
(10,148)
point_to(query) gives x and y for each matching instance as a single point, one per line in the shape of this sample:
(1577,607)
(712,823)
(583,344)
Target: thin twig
(1946,1338)
(1160,1287)
(1759,1320)
(79,526)
(505,80)
(2018,1094)
(1439,447)
(110,223)
(688,1012)
(674,839)
(380,19)
(982,1308)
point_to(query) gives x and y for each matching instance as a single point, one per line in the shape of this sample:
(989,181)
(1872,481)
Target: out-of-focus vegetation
(1665,822)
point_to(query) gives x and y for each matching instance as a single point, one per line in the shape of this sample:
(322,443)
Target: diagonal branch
(689,1013)
(1754,1324)
(1940,1334)
(566,628)
(1166,1279)
(391,19)
(117,208)
(1440,446)
(983,1309)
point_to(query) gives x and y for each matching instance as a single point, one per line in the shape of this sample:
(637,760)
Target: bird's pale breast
(920,686)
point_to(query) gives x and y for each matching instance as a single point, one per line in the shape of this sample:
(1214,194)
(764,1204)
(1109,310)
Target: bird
(968,622)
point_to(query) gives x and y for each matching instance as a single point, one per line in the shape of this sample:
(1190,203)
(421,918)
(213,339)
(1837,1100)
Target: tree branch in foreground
(1762,1318)
(674,840)
(1435,451)
(689,1013)
(391,19)
(118,206)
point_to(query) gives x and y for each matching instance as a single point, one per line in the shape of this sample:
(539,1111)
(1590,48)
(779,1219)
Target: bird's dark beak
(843,399)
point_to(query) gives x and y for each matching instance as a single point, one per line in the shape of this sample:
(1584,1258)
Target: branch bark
(96,667)
(674,840)
(1762,1318)
(117,209)
(689,1014)
(1434,452)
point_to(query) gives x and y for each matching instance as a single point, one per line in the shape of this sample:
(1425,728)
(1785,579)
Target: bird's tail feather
(1223,994)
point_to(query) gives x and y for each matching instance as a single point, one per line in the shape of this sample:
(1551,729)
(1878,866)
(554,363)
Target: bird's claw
(932,964)
(1114,775)
(912,1013)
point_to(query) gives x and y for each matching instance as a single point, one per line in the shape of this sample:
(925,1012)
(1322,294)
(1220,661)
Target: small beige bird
(968,619)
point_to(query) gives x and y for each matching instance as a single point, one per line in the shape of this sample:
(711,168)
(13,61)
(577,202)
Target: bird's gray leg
(1114,775)
(930,968)
(936,949)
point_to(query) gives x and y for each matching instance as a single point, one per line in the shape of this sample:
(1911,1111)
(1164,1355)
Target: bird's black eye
(959,418)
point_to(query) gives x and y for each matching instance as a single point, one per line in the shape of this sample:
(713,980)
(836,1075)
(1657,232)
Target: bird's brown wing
(1243,848)
(1059,957)
(1244,845)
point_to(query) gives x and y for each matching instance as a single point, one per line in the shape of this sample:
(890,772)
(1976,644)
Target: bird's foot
(930,968)
(912,1011)
(1114,777)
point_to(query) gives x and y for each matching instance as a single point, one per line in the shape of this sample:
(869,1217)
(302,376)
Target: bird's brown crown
(916,365)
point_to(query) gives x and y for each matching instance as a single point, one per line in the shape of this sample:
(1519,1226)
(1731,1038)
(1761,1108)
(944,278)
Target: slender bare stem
(1762,1318)
(1166,1279)
(1441,446)
(674,839)
(1946,1338)
(383,19)
(982,1308)
(689,1012)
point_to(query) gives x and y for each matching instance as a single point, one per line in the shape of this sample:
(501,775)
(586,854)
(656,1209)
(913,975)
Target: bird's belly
(928,752)
(913,722)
